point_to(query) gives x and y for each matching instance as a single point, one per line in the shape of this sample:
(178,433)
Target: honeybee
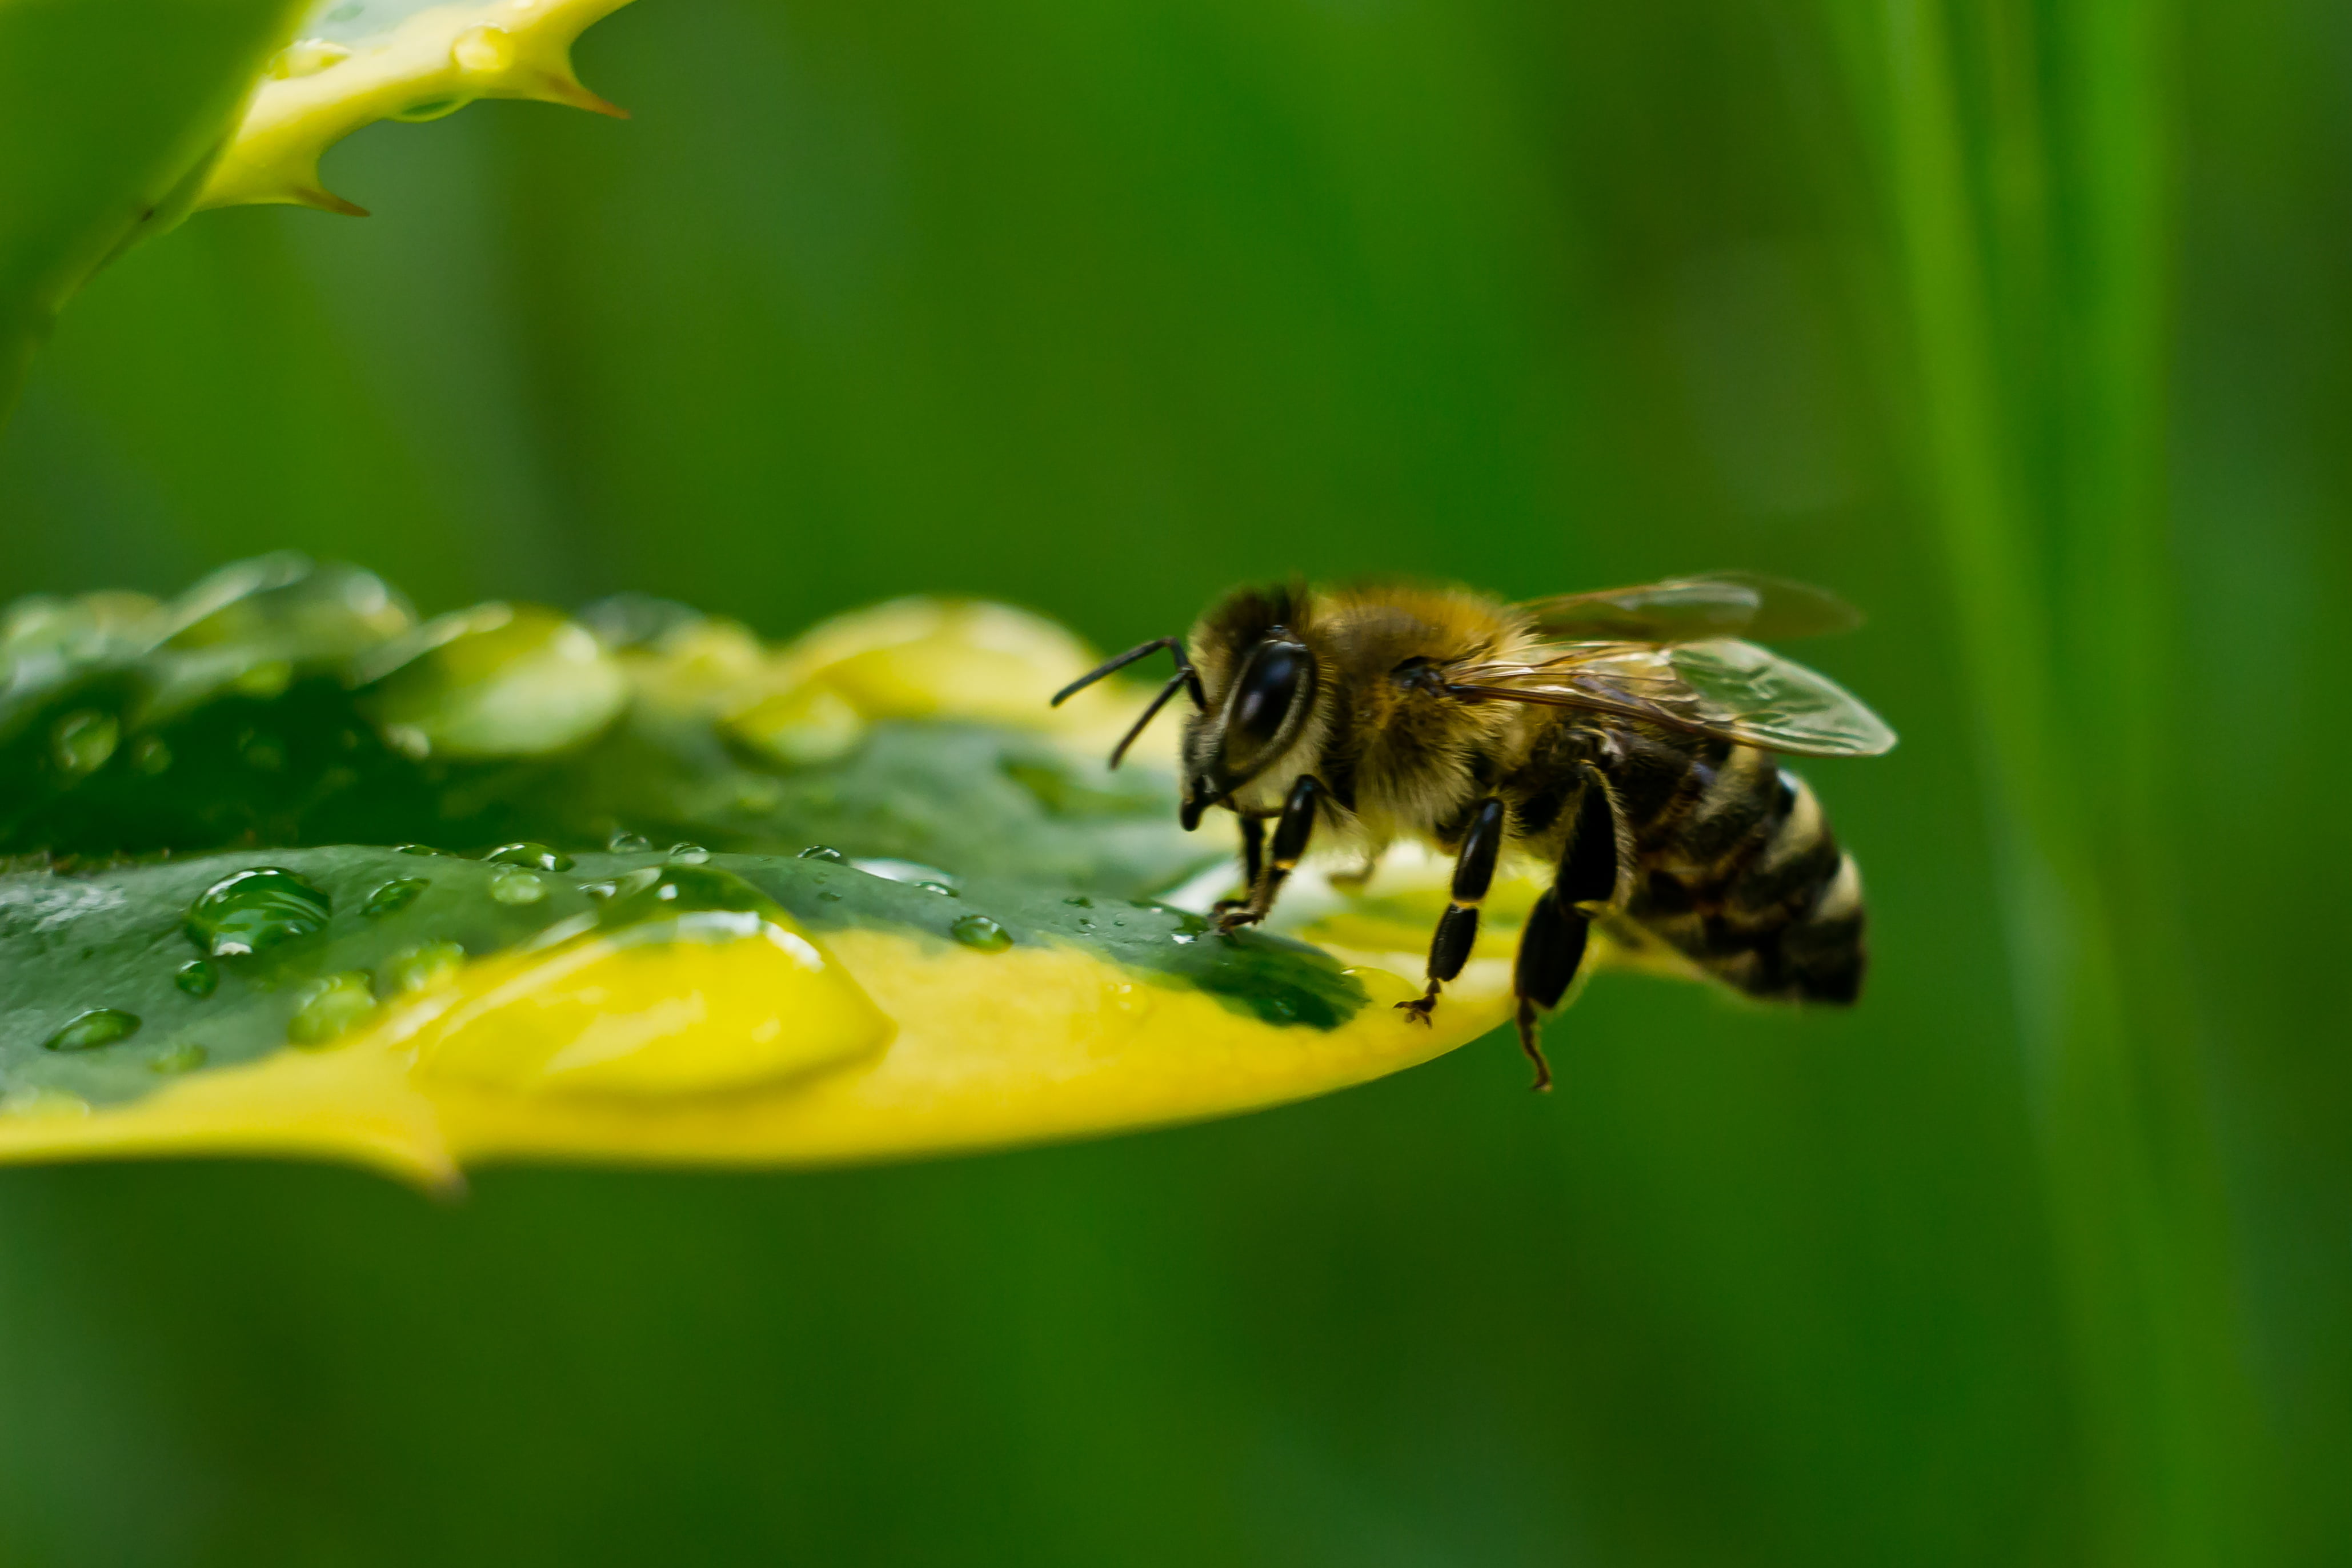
(1624,739)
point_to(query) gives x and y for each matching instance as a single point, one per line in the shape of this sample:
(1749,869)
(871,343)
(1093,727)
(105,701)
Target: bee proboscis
(1624,739)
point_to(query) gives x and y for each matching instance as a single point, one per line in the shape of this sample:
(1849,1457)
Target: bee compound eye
(1264,694)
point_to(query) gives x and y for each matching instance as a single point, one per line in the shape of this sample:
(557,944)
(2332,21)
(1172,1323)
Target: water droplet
(198,978)
(483,50)
(799,728)
(518,887)
(665,892)
(624,843)
(99,1026)
(150,754)
(689,854)
(497,680)
(1080,900)
(83,740)
(828,896)
(979,931)
(186,1057)
(1278,1009)
(394,897)
(307,56)
(254,911)
(421,968)
(330,1007)
(939,887)
(416,850)
(538,857)
(683,1004)
(821,852)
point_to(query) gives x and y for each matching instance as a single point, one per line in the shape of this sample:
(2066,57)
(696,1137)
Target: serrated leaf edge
(317,93)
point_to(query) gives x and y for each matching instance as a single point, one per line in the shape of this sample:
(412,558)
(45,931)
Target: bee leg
(1457,928)
(1290,834)
(1552,948)
(1252,865)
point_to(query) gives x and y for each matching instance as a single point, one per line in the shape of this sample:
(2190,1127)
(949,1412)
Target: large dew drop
(536,857)
(694,983)
(253,911)
(99,1026)
(496,680)
(394,895)
(518,887)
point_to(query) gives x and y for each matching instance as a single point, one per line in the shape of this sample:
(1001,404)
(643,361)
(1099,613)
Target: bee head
(1261,680)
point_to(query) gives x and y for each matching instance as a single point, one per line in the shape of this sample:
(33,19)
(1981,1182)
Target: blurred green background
(1101,309)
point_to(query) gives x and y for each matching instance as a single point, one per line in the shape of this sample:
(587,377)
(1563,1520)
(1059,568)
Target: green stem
(2031,229)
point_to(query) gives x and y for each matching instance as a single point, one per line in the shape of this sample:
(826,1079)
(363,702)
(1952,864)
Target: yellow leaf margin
(989,1049)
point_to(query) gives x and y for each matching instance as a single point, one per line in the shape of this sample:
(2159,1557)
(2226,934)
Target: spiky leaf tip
(354,62)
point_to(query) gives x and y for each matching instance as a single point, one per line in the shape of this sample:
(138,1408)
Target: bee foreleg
(1291,832)
(1457,928)
(1252,865)
(1559,929)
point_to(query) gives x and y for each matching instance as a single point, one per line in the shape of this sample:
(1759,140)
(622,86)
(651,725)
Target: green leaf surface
(717,901)
(258,708)
(120,942)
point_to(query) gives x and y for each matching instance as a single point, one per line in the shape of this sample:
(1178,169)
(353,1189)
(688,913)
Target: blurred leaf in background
(111,110)
(1101,309)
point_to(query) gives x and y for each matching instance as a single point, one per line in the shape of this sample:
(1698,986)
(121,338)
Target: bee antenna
(1184,671)
(1175,683)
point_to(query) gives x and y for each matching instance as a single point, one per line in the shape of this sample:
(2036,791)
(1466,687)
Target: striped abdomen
(1737,868)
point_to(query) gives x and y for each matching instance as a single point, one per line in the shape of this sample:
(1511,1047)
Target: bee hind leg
(1457,928)
(1559,929)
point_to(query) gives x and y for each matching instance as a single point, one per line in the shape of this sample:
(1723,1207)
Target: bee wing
(1694,609)
(1719,686)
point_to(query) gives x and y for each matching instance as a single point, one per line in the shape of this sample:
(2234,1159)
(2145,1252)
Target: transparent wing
(1720,686)
(1694,609)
